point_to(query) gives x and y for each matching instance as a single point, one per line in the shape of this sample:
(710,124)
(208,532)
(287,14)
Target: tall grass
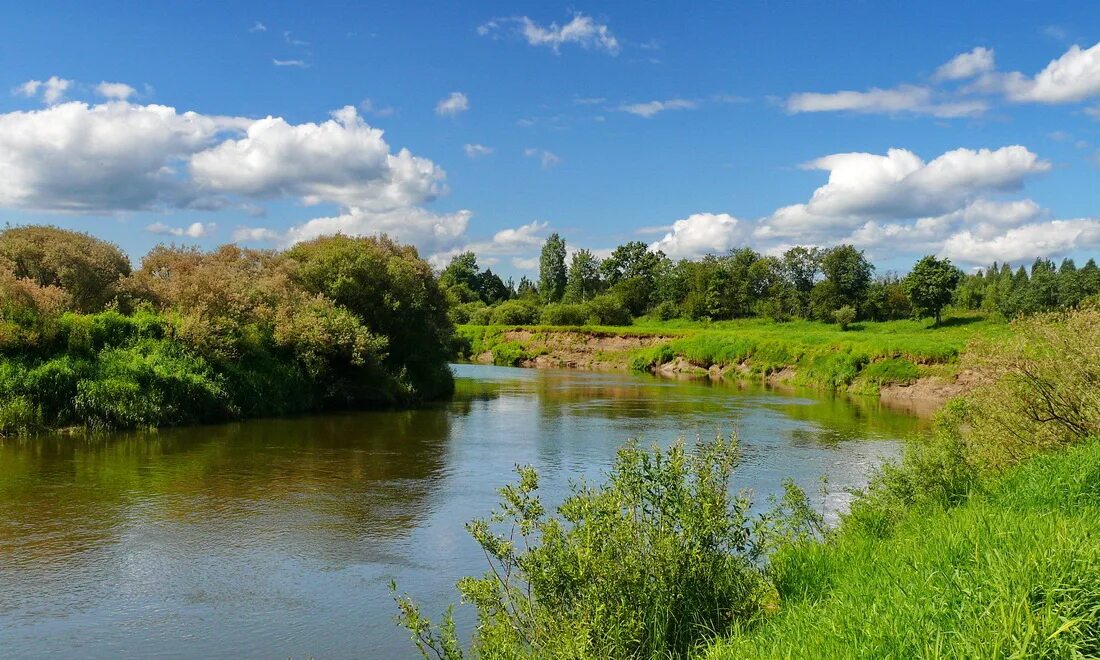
(1014,571)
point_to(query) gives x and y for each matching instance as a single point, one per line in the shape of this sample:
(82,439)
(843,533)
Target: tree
(849,270)
(393,293)
(633,272)
(931,284)
(583,280)
(88,269)
(801,266)
(552,274)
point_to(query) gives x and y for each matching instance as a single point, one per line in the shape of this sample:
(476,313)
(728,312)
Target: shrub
(651,564)
(481,316)
(845,316)
(395,295)
(509,353)
(515,312)
(563,314)
(86,268)
(1042,390)
(608,309)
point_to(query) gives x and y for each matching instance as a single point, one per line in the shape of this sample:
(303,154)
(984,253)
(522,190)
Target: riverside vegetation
(982,542)
(196,336)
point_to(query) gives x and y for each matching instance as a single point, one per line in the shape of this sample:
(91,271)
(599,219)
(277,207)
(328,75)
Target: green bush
(563,314)
(509,354)
(651,564)
(515,312)
(608,309)
(845,316)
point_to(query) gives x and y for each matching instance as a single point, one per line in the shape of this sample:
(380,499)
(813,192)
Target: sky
(966,130)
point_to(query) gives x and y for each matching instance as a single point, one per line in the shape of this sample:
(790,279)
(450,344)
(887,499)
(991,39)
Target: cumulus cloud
(454,104)
(1072,77)
(193,230)
(115,90)
(258,27)
(651,108)
(477,150)
(581,30)
(912,99)
(342,160)
(517,242)
(900,185)
(52,89)
(115,156)
(548,159)
(701,233)
(1022,244)
(967,65)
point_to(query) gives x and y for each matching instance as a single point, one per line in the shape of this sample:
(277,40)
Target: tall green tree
(552,273)
(583,279)
(931,284)
(848,269)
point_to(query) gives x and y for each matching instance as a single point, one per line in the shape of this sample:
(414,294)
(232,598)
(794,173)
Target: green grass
(1014,571)
(863,358)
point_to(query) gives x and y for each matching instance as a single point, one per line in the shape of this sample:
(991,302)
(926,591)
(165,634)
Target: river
(279,538)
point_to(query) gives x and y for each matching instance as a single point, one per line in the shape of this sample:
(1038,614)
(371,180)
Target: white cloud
(651,108)
(115,90)
(115,156)
(701,233)
(548,159)
(193,230)
(477,150)
(1022,244)
(342,160)
(258,27)
(1072,77)
(257,234)
(297,64)
(119,156)
(900,185)
(370,107)
(525,263)
(518,242)
(454,104)
(581,30)
(967,65)
(902,99)
(53,89)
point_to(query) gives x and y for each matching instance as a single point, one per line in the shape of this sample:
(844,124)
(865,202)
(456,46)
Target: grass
(863,358)
(1014,571)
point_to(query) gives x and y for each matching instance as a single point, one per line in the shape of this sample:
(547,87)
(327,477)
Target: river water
(279,538)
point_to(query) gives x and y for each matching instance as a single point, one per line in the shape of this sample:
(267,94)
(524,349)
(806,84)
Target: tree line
(835,285)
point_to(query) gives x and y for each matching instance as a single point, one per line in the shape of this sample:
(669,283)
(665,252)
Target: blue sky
(747,123)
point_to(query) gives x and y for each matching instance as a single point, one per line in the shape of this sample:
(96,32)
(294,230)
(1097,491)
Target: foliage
(607,309)
(1011,571)
(1042,390)
(564,314)
(583,281)
(393,293)
(201,336)
(86,268)
(552,276)
(845,316)
(930,285)
(515,312)
(652,563)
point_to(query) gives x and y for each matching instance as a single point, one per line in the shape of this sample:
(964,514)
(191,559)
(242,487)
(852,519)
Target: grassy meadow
(860,359)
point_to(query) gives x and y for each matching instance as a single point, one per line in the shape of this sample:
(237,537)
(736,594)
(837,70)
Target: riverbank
(905,363)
